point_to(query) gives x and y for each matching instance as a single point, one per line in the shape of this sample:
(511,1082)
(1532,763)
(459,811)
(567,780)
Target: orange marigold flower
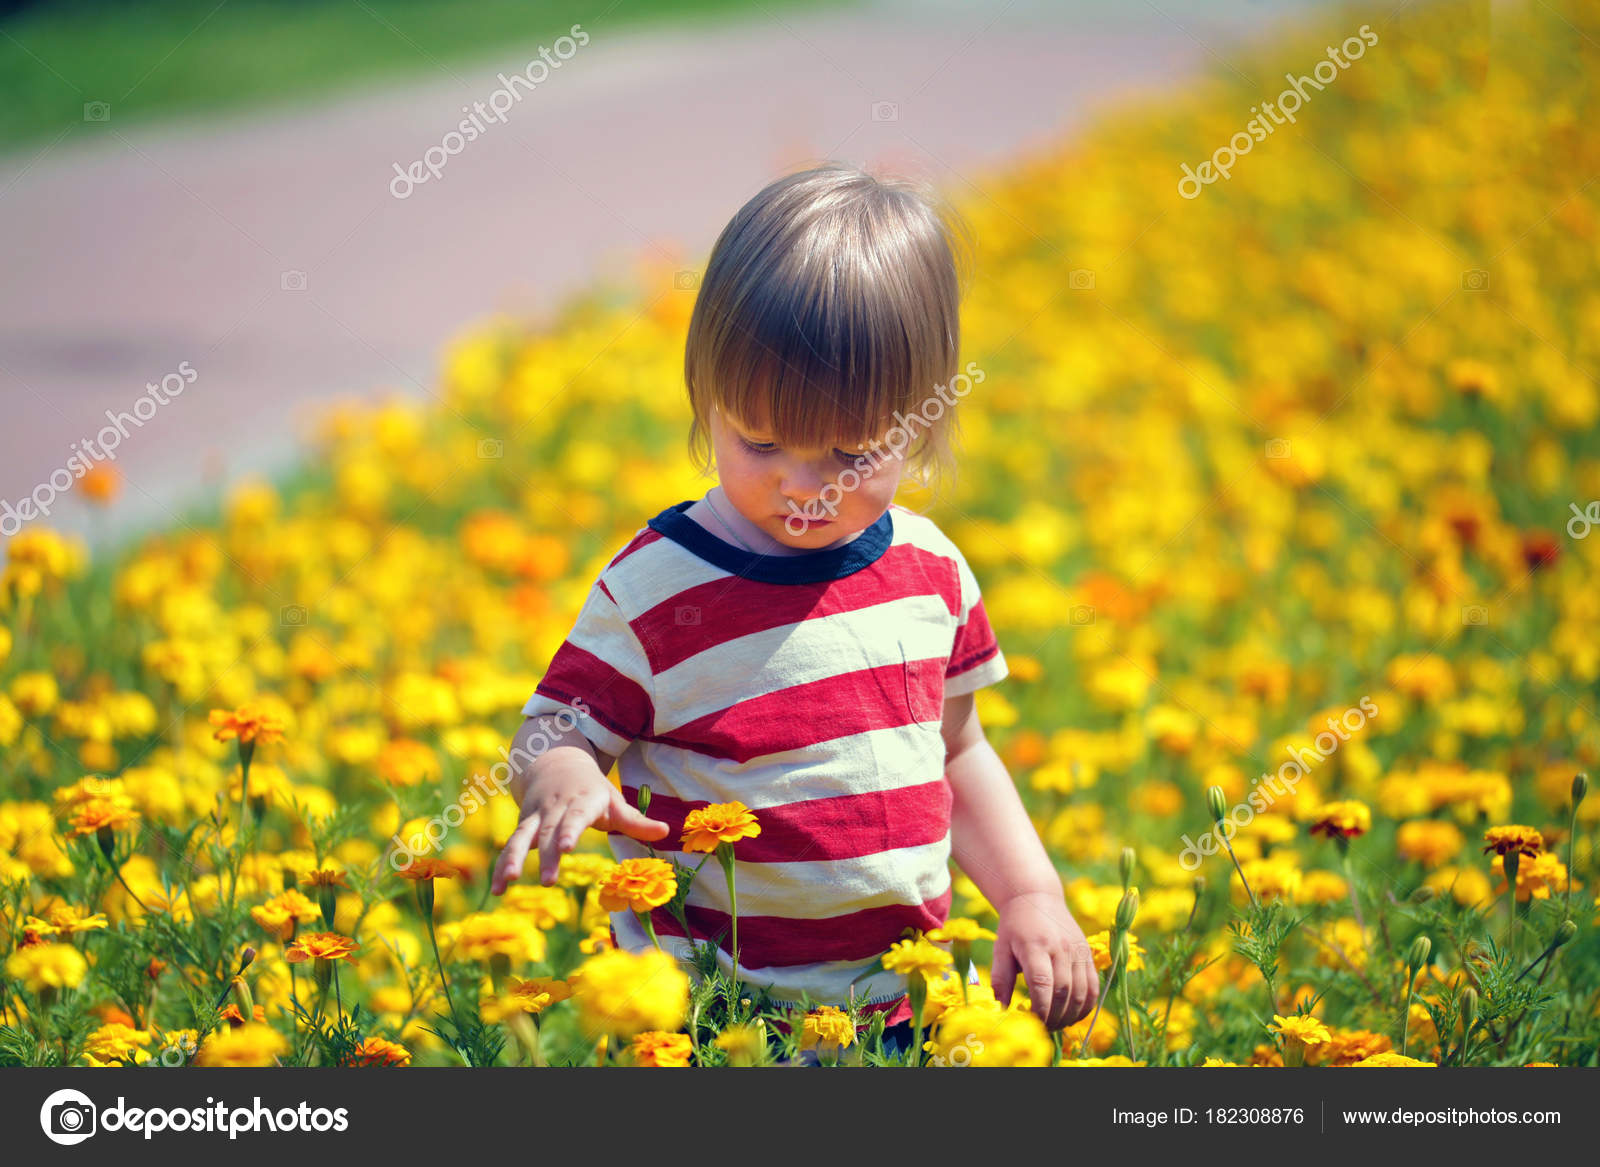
(404,762)
(424,867)
(324,877)
(101,814)
(284,912)
(375,1051)
(1504,840)
(321,946)
(231,1014)
(1342,820)
(655,1048)
(721,822)
(246,723)
(637,885)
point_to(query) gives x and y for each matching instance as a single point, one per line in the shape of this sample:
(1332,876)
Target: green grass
(146,58)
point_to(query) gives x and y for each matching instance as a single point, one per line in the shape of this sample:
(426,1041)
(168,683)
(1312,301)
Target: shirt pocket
(924,690)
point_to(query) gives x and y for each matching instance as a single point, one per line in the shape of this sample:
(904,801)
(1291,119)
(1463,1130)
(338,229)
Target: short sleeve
(975,657)
(601,675)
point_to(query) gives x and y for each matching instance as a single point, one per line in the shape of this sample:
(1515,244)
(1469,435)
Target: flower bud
(1421,949)
(1565,931)
(1126,867)
(1580,787)
(1127,909)
(1468,1008)
(644,800)
(246,958)
(241,994)
(1199,886)
(1217,802)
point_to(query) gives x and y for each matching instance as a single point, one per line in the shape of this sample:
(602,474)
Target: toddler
(797,642)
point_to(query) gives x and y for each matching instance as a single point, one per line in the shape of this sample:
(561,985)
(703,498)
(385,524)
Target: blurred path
(268,253)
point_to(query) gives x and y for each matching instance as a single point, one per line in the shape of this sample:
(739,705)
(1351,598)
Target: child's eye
(760,448)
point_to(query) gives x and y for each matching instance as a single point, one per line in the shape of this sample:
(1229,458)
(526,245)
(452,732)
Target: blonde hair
(830,302)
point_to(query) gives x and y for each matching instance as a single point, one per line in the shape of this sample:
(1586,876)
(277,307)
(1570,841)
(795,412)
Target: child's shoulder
(922,532)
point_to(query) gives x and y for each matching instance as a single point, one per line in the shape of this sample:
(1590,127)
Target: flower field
(1277,497)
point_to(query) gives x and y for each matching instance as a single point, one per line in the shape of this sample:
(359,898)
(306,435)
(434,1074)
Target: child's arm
(993,840)
(559,794)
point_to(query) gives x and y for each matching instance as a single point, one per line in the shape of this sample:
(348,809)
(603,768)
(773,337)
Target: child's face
(776,488)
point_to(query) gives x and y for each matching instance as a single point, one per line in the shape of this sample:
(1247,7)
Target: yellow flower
(321,946)
(250,1044)
(375,1051)
(115,1044)
(960,931)
(545,906)
(1388,1059)
(1504,840)
(1298,1032)
(47,966)
(654,1048)
(986,1035)
(484,935)
(623,993)
(247,723)
(721,822)
(1342,820)
(917,958)
(828,1027)
(1100,947)
(745,1044)
(637,885)
(583,868)
(531,995)
(284,912)
(1429,842)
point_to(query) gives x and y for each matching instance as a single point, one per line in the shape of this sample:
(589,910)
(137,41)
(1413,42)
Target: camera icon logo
(1475,614)
(491,448)
(292,615)
(292,281)
(686,281)
(1278,449)
(1080,279)
(96,111)
(885,111)
(68,1117)
(1476,280)
(686,614)
(1081,614)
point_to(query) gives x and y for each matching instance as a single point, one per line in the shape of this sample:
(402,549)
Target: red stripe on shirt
(832,707)
(775,941)
(975,642)
(731,607)
(846,826)
(614,699)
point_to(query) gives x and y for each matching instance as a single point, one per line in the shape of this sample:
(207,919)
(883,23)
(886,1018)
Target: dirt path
(270,255)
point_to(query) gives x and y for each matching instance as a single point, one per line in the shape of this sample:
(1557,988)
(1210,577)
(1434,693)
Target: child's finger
(514,854)
(629,821)
(1003,974)
(1085,985)
(1061,997)
(548,856)
(1040,979)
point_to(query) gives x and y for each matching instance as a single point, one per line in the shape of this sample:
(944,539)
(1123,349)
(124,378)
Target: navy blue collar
(813,567)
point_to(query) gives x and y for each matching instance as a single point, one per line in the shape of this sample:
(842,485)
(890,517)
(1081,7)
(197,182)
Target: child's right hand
(556,809)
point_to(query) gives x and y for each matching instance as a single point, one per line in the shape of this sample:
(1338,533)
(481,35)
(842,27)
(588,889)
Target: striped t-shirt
(809,687)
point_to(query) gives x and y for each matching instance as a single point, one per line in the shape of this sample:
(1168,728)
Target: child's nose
(800,480)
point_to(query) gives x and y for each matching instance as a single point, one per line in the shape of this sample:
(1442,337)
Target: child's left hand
(1038,937)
